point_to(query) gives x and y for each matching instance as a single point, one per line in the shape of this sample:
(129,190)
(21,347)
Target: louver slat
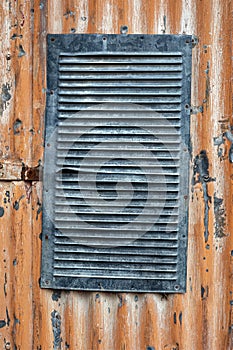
(116,164)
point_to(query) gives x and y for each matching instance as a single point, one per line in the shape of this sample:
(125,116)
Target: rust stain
(31,174)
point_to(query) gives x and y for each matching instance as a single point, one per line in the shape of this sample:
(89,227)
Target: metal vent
(116,163)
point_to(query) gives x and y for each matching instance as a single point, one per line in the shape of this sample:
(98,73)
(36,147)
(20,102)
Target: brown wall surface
(35,319)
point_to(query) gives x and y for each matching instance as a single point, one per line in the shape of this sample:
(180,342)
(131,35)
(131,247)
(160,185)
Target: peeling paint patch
(1,212)
(56,324)
(16,126)
(201,175)
(229,136)
(16,321)
(4,97)
(16,203)
(207,200)
(122,301)
(150,348)
(8,197)
(164,24)
(8,318)
(39,210)
(164,296)
(196,109)
(180,318)
(201,168)
(5,285)
(21,51)
(219,141)
(231,154)
(69,13)
(204,292)
(220,217)
(15,36)
(2,323)
(207,88)
(56,295)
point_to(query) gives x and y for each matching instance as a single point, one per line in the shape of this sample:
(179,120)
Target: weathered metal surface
(31,318)
(116,165)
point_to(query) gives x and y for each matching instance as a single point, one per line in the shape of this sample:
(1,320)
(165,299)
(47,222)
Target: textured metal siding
(199,319)
(116,163)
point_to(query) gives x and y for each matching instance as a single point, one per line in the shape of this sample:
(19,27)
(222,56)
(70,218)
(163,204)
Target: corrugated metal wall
(31,318)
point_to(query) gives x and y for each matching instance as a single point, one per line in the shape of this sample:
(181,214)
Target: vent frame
(122,45)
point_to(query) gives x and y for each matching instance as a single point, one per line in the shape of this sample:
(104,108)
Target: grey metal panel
(116,163)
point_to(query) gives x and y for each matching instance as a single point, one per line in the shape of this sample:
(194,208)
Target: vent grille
(116,168)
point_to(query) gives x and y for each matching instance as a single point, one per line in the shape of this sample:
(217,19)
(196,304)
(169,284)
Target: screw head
(124,29)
